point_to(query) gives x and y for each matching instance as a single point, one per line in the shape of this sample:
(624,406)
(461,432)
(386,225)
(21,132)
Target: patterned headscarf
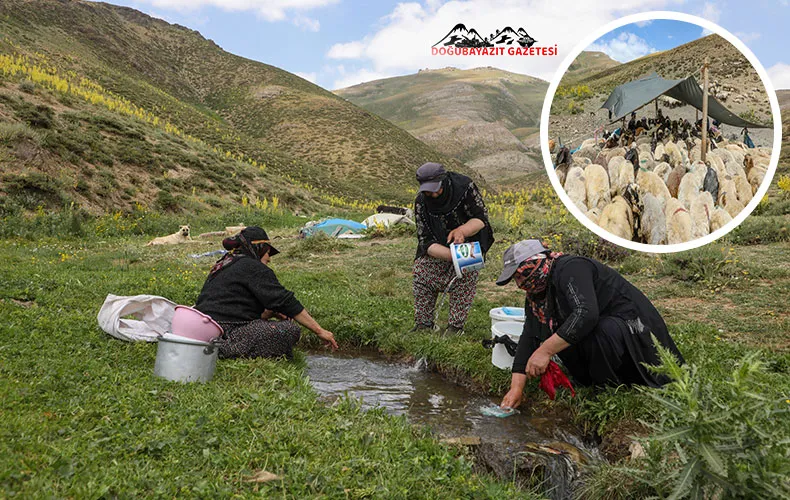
(532,276)
(252,242)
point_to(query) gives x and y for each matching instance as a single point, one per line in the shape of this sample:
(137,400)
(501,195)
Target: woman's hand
(456,236)
(328,338)
(538,362)
(513,398)
(269,314)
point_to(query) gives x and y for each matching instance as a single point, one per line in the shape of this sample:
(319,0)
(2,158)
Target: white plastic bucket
(182,359)
(499,355)
(506,313)
(467,257)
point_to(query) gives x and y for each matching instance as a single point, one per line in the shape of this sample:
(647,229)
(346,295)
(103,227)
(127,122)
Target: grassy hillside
(180,111)
(588,63)
(485,117)
(729,69)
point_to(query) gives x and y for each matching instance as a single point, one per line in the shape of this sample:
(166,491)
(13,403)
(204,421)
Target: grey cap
(515,255)
(430,176)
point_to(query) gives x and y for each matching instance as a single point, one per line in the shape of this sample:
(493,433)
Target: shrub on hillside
(762,229)
(715,266)
(717,438)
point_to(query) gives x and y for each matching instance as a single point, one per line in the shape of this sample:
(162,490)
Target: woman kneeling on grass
(598,323)
(242,294)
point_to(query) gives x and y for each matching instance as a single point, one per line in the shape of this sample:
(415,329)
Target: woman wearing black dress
(598,323)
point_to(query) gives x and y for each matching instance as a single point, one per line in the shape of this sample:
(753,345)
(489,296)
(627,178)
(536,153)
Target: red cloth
(554,377)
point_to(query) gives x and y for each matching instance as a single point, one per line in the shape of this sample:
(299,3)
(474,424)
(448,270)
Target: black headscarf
(454,207)
(250,242)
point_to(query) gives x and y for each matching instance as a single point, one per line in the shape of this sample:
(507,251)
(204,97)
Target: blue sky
(336,43)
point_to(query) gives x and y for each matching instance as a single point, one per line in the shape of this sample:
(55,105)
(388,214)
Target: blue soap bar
(493,410)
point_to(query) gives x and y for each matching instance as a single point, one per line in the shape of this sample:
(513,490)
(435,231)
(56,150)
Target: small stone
(462,441)
(637,451)
(262,476)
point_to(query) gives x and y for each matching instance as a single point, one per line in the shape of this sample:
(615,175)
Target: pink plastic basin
(193,324)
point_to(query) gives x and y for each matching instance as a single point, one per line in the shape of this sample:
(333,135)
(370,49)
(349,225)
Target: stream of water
(529,443)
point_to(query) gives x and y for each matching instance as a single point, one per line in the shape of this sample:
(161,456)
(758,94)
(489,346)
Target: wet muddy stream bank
(527,448)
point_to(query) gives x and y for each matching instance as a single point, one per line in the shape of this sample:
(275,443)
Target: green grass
(83,415)
(81,410)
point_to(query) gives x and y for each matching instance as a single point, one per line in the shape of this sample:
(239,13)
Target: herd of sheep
(658,192)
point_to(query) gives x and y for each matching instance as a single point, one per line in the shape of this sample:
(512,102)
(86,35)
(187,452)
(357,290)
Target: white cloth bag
(152,317)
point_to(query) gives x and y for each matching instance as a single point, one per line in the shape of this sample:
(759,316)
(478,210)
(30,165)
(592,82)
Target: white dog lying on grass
(180,236)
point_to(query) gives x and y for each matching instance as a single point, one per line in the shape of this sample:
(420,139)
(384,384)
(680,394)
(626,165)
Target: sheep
(675,157)
(659,152)
(644,151)
(678,222)
(674,178)
(719,219)
(574,186)
(730,202)
(711,183)
(562,173)
(590,152)
(701,209)
(755,177)
(653,228)
(596,183)
(588,143)
(552,145)
(649,182)
(621,173)
(662,170)
(691,183)
(743,189)
(726,186)
(594,214)
(580,161)
(605,156)
(617,218)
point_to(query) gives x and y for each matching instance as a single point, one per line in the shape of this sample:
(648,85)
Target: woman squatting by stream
(600,325)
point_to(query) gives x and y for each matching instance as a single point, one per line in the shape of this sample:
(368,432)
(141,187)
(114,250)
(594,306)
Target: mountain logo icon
(461,36)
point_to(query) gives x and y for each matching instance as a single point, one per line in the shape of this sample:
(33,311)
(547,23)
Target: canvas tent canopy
(633,95)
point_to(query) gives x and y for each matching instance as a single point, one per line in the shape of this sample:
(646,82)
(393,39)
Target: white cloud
(642,24)
(350,50)
(626,47)
(310,77)
(270,10)
(748,37)
(307,24)
(712,13)
(402,40)
(780,75)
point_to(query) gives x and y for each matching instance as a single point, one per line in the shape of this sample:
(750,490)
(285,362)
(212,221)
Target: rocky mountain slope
(576,109)
(486,117)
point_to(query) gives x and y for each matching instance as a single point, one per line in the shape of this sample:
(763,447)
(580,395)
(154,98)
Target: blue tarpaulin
(333,228)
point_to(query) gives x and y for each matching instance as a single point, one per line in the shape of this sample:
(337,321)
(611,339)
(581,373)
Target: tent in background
(633,95)
(387,220)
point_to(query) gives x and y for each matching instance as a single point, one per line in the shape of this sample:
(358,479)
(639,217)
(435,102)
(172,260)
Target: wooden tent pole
(705,109)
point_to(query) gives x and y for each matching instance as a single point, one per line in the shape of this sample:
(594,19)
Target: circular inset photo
(661,133)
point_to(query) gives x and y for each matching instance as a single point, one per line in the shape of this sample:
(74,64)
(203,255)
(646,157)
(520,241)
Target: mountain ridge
(243,107)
